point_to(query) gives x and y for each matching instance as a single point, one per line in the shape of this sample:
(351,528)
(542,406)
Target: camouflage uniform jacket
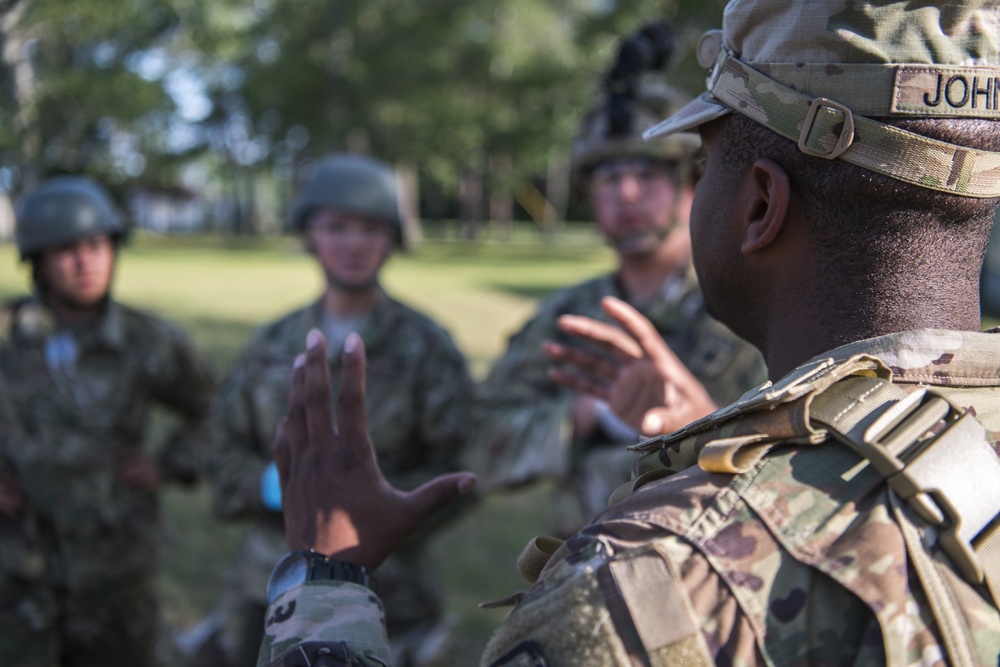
(791,562)
(417,387)
(524,419)
(72,423)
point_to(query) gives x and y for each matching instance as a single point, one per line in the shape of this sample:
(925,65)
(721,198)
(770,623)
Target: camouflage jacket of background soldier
(417,388)
(762,567)
(524,420)
(73,421)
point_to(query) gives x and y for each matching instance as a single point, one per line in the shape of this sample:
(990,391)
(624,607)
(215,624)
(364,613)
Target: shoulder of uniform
(8,312)
(291,326)
(413,318)
(144,323)
(733,439)
(589,291)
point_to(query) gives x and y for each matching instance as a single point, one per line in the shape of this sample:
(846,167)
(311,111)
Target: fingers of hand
(353,423)
(609,338)
(317,403)
(291,435)
(640,329)
(580,383)
(431,496)
(586,361)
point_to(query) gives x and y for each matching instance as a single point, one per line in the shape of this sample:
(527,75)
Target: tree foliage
(128,89)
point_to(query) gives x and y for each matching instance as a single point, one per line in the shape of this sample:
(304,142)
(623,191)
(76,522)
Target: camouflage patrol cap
(595,143)
(817,72)
(62,210)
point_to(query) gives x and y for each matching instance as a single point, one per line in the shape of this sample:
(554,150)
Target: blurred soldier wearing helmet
(530,426)
(82,372)
(846,513)
(348,215)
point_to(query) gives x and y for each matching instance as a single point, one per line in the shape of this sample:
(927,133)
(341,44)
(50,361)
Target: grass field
(219,290)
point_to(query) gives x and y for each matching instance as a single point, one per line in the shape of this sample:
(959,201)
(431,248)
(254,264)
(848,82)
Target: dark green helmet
(596,142)
(355,184)
(62,210)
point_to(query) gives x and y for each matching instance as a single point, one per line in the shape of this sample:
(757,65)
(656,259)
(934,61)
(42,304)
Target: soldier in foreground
(78,493)
(846,514)
(348,214)
(529,426)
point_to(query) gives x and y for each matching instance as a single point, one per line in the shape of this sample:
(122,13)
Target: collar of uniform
(374,332)
(933,356)
(927,356)
(34,322)
(675,289)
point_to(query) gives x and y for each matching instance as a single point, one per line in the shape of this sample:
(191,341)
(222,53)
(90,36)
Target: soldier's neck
(643,276)
(69,314)
(796,334)
(341,302)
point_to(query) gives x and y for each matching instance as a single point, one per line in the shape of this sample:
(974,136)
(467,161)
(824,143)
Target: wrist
(307,566)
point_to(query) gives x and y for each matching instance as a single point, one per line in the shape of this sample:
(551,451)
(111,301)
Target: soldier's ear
(766,206)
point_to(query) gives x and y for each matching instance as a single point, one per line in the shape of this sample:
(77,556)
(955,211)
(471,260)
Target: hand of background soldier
(12,500)
(334,496)
(138,471)
(645,383)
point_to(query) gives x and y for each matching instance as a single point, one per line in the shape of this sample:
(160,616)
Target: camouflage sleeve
(522,425)
(343,622)
(658,603)
(235,462)
(184,383)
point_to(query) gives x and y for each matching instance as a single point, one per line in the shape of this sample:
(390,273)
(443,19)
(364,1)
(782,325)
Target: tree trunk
(556,190)
(24,89)
(409,203)
(470,204)
(501,202)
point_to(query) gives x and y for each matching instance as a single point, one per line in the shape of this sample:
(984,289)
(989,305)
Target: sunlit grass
(219,289)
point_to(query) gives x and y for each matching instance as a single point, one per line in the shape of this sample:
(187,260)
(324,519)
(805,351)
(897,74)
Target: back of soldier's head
(883,114)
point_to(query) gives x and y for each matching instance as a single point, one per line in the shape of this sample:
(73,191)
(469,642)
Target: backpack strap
(935,456)
(939,460)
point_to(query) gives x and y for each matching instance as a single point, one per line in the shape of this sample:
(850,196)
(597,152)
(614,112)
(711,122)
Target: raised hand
(632,369)
(335,499)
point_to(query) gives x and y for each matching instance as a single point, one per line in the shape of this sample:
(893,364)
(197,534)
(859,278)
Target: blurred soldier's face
(79,273)
(635,203)
(350,248)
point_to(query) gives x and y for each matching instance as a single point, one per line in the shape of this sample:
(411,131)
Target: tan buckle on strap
(951,479)
(846,132)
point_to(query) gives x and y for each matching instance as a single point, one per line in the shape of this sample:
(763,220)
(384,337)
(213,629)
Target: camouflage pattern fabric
(524,427)
(83,557)
(787,563)
(417,392)
(814,74)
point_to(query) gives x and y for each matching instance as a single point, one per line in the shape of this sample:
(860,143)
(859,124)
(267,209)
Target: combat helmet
(62,210)
(634,99)
(354,184)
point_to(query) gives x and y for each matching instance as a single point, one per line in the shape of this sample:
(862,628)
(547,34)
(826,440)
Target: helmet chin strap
(352,287)
(648,241)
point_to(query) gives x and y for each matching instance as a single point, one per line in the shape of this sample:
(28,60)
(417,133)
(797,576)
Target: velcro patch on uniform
(525,654)
(647,603)
(941,90)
